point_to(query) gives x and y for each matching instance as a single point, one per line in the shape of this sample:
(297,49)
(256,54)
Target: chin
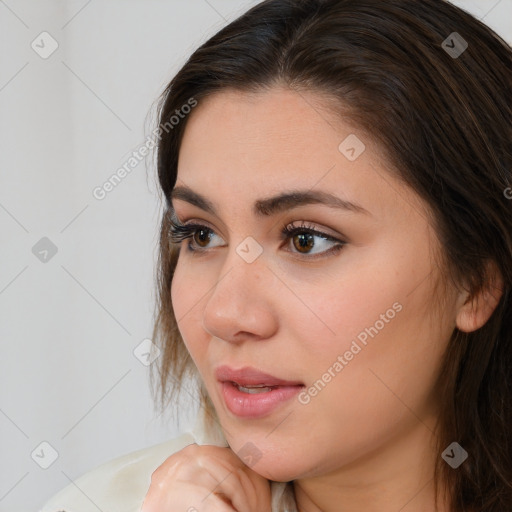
(271,462)
(275,472)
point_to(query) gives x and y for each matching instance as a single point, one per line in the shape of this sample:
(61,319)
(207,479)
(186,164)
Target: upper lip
(251,376)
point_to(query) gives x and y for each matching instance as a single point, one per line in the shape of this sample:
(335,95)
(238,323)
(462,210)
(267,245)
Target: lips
(251,394)
(249,376)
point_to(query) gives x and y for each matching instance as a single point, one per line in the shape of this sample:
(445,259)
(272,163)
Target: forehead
(279,118)
(269,135)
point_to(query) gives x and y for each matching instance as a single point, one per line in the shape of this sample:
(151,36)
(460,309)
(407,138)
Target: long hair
(439,104)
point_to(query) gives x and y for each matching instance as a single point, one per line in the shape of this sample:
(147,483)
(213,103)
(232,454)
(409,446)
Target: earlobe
(476,310)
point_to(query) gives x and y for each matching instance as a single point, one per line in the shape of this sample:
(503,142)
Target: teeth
(254,389)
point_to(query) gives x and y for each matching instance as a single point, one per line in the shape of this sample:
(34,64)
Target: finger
(223,497)
(191,499)
(245,489)
(214,504)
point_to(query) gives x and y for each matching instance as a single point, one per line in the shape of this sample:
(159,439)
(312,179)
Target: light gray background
(69,325)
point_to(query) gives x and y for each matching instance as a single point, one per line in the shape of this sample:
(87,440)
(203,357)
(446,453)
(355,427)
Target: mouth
(251,393)
(254,390)
(250,377)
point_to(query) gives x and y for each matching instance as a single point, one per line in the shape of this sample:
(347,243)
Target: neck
(397,477)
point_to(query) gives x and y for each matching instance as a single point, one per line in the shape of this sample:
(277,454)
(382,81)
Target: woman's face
(356,323)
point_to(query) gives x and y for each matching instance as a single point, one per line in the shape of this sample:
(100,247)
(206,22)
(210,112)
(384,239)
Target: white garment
(120,485)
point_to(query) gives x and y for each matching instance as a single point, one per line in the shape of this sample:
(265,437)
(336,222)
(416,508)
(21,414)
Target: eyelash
(180,232)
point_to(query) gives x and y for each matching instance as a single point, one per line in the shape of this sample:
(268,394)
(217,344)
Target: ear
(474,311)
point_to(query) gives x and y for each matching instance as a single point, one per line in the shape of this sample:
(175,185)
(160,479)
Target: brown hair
(445,122)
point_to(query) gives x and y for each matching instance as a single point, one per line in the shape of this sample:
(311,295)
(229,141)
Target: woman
(336,262)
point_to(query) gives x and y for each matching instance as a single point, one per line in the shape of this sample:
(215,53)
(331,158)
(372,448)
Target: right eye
(197,233)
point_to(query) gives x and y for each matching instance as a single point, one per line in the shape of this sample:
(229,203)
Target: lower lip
(256,405)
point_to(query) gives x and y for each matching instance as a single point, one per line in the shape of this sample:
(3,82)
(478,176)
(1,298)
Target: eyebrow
(275,204)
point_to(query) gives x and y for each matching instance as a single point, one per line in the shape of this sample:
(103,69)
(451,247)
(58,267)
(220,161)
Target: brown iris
(203,235)
(306,241)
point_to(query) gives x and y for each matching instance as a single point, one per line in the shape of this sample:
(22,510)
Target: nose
(240,305)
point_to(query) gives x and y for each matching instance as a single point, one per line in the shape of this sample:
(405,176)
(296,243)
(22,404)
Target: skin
(365,441)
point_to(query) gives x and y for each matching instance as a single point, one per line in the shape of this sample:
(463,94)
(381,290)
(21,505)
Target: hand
(206,479)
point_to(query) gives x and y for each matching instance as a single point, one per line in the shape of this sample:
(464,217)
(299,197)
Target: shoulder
(119,485)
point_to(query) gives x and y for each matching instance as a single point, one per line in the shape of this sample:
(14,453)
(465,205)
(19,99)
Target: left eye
(304,238)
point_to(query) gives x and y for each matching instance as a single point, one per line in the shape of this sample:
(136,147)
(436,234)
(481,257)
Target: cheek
(356,306)
(186,293)
(180,294)
(381,326)
(386,353)
(178,291)
(380,293)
